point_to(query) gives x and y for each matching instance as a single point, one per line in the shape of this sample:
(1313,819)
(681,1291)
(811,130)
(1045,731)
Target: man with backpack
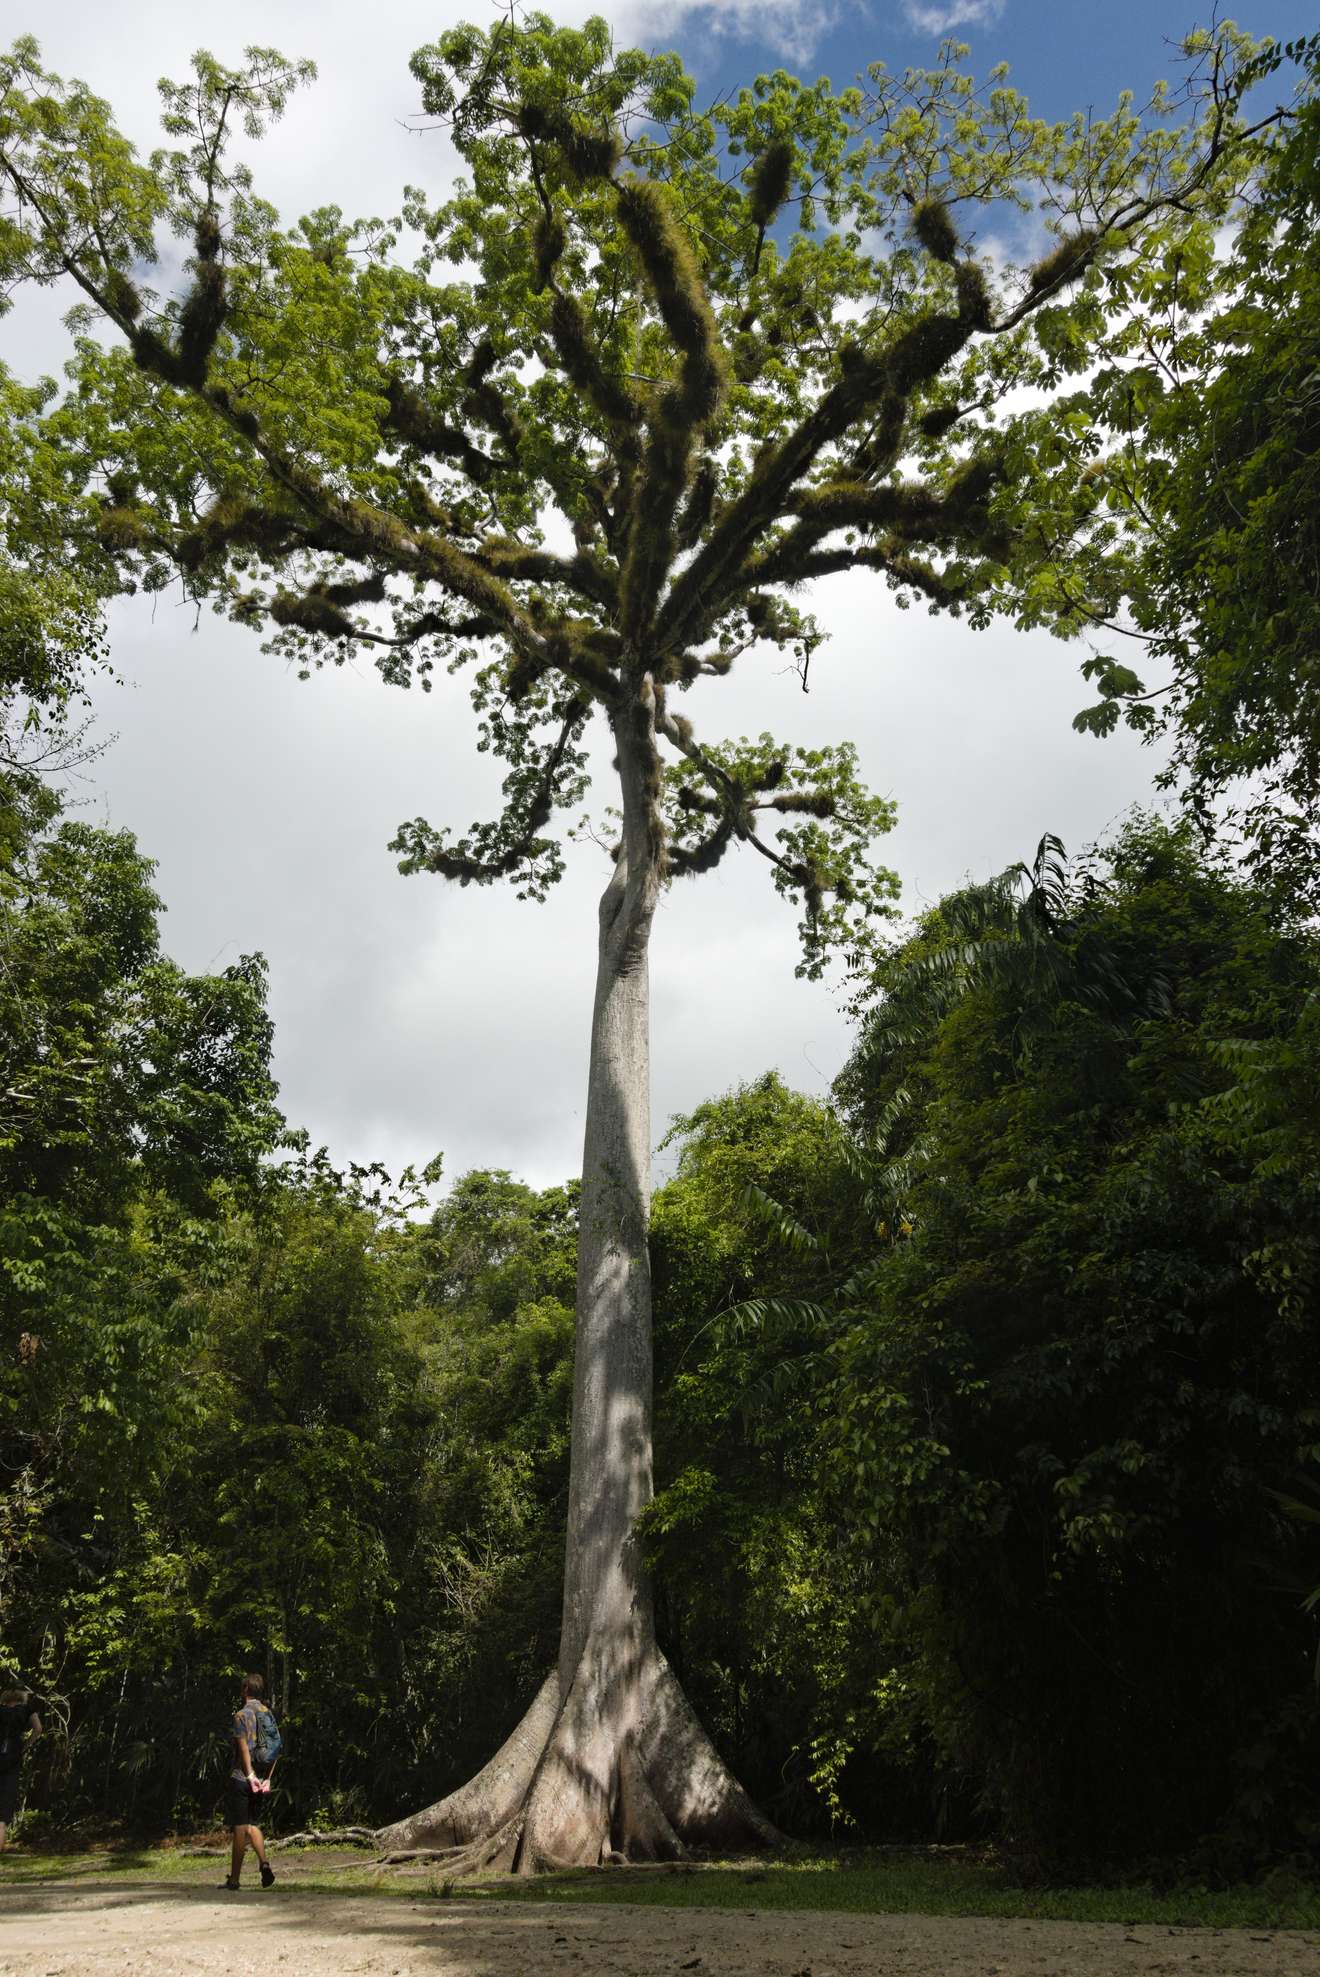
(257,1743)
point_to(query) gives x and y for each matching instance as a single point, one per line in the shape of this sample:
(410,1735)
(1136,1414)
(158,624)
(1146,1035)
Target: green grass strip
(882,1882)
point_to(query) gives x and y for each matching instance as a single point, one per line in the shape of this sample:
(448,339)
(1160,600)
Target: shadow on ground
(198,1926)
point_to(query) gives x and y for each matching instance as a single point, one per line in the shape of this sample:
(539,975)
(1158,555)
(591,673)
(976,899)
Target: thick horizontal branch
(889,557)
(582,573)
(906,511)
(320,609)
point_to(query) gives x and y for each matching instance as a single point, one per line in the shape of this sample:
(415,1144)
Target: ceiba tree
(585,427)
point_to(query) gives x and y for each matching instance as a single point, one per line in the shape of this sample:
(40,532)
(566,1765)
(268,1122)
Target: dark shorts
(244,1807)
(9,1781)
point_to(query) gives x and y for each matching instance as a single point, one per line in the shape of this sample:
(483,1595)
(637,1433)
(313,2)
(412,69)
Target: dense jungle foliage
(987,1395)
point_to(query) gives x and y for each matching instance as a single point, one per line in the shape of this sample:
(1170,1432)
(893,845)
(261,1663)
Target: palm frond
(777,1221)
(769,1318)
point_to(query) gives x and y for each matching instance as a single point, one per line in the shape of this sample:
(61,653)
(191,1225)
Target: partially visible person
(19,1721)
(256,1744)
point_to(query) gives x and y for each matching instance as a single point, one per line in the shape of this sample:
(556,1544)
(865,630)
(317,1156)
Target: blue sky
(1065,56)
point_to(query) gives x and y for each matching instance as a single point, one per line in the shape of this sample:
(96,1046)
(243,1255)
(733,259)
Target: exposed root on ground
(618,1769)
(341,1836)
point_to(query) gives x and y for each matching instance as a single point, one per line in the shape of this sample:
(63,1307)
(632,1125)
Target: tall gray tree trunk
(610,1464)
(609,1759)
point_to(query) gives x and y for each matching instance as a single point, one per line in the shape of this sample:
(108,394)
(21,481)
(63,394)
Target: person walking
(18,1721)
(256,1746)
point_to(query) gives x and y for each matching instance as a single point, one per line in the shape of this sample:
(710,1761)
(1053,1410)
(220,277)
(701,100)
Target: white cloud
(794,27)
(937,19)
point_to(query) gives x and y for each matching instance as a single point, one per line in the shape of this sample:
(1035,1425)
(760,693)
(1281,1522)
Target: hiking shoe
(230,1883)
(267,1875)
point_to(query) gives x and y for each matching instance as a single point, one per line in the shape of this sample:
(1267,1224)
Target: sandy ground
(85,1931)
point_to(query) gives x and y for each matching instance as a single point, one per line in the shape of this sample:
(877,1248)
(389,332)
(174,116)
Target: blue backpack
(267,1744)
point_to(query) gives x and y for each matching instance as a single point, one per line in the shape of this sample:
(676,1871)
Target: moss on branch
(485,402)
(583,367)
(768,187)
(769,182)
(1065,263)
(932,223)
(697,509)
(587,154)
(203,311)
(891,374)
(811,802)
(687,861)
(647,215)
(412,419)
(583,572)
(549,240)
(311,611)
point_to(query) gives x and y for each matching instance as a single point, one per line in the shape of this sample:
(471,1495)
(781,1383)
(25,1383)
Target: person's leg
(258,1840)
(4,1835)
(237,1852)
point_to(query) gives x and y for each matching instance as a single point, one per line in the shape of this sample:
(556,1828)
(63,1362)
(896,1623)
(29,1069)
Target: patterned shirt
(244,1725)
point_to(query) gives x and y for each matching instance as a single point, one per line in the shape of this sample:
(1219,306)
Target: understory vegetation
(987,1400)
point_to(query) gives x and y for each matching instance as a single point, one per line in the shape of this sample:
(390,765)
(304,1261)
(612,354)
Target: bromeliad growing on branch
(647,374)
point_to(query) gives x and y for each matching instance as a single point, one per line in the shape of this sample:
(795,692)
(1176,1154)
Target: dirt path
(68,1930)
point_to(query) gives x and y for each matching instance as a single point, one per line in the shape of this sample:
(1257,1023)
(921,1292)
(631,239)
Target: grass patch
(893,1882)
(26,1867)
(881,1881)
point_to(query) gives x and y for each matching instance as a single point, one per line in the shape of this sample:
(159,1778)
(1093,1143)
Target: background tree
(593,463)
(51,630)
(128,1092)
(1198,440)
(497,1269)
(1076,1377)
(773,1648)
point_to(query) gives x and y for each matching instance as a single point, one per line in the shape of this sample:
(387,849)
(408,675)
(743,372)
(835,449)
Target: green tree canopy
(1198,445)
(713,347)
(1072,1387)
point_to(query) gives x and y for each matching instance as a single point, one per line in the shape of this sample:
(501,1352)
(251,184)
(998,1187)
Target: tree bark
(610,1759)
